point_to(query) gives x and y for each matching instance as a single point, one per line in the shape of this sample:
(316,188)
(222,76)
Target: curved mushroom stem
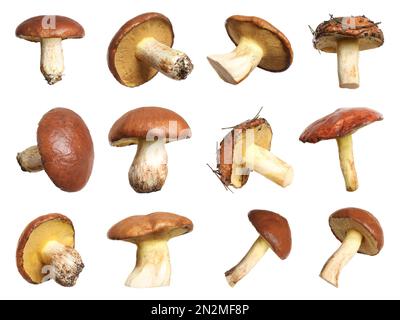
(65,263)
(173,63)
(348,55)
(345,146)
(235,66)
(350,246)
(150,167)
(30,160)
(52,59)
(256,252)
(153,267)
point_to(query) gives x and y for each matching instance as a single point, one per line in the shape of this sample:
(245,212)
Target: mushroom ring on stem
(143,47)
(46,251)
(347,36)
(274,233)
(259,44)
(150,128)
(360,232)
(340,125)
(50,31)
(150,233)
(64,150)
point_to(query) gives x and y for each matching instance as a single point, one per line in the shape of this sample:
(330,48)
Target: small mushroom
(46,251)
(259,44)
(64,150)
(143,47)
(347,36)
(340,125)
(50,31)
(151,233)
(274,233)
(150,128)
(359,231)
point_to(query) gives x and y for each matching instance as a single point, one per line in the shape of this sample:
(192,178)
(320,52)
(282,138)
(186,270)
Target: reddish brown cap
(278,53)
(158,225)
(330,32)
(148,123)
(40,27)
(274,229)
(362,221)
(340,123)
(66,149)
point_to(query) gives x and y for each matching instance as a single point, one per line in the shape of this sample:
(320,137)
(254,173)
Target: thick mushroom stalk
(153,268)
(350,246)
(348,56)
(52,59)
(30,160)
(235,66)
(149,169)
(345,146)
(256,252)
(173,63)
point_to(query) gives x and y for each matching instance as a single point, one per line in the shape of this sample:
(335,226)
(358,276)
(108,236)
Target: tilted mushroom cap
(148,122)
(158,225)
(340,123)
(274,229)
(66,149)
(278,54)
(41,27)
(122,61)
(51,227)
(362,221)
(366,31)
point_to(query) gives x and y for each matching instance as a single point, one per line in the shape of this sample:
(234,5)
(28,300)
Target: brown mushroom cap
(158,225)
(274,229)
(40,27)
(148,122)
(51,227)
(66,149)
(362,221)
(366,31)
(122,61)
(340,123)
(278,53)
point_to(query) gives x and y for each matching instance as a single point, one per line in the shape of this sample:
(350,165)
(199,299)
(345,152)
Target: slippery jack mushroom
(50,31)
(150,128)
(151,233)
(340,125)
(259,44)
(359,231)
(347,36)
(274,233)
(143,47)
(64,150)
(46,251)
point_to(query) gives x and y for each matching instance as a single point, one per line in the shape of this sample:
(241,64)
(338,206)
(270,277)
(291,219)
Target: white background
(222,234)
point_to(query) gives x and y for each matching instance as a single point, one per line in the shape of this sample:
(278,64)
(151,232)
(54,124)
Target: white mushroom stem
(30,160)
(52,59)
(65,263)
(173,63)
(153,267)
(350,246)
(235,66)
(345,146)
(256,252)
(150,166)
(348,56)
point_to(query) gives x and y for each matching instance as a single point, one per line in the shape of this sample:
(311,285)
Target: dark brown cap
(66,149)
(274,229)
(362,221)
(278,53)
(340,123)
(40,27)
